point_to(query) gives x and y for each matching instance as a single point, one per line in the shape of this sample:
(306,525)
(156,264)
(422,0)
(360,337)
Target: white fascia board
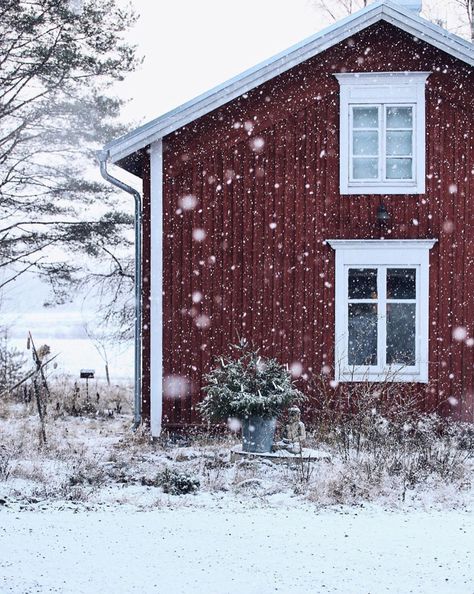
(405,20)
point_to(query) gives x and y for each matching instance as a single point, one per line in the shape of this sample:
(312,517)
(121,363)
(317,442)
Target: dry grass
(94,458)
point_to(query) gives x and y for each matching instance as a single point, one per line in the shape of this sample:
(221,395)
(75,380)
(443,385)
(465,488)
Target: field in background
(80,353)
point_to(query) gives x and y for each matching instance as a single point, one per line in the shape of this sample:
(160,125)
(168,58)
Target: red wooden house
(321,205)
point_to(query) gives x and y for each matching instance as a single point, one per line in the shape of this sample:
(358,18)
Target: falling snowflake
(176,386)
(234,424)
(188,202)
(197,297)
(199,234)
(202,321)
(296,369)
(257,143)
(459,333)
(448,226)
(249,126)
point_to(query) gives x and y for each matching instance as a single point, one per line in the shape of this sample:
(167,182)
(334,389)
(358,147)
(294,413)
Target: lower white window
(382,309)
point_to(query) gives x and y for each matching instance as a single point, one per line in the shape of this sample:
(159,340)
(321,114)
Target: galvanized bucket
(258,434)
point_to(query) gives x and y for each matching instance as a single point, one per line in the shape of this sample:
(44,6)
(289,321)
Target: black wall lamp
(383,218)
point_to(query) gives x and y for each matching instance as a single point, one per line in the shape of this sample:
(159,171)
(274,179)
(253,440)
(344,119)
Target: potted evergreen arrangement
(252,389)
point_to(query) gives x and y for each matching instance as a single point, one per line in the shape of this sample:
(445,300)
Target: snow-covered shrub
(12,364)
(5,463)
(248,385)
(383,442)
(87,471)
(177,482)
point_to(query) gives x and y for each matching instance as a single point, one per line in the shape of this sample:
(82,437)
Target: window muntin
(382,142)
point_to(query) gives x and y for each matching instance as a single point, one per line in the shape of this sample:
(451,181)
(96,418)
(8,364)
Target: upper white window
(382,310)
(382,132)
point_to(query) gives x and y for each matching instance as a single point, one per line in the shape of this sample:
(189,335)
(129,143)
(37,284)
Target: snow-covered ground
(90,512)
(244,549)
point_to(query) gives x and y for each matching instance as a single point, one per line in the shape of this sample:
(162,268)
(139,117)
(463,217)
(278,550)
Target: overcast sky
(190,46)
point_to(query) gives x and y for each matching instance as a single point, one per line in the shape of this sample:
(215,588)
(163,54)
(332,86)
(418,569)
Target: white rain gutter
(103,156)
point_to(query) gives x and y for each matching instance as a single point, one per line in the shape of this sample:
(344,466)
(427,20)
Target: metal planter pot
(258,434)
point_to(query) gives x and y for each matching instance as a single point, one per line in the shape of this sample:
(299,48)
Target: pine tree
(58,62)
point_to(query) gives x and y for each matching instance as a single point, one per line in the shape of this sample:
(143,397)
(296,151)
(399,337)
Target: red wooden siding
(265,172)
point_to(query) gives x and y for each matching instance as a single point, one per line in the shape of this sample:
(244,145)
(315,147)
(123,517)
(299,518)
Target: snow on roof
(393,13)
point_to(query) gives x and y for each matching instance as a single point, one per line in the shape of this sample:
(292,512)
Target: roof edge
(394,14)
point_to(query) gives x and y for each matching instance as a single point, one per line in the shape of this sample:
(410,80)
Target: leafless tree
(467,7)
(461,12)
(339,8)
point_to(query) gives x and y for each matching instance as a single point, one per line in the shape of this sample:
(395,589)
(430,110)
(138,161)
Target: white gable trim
(402,18)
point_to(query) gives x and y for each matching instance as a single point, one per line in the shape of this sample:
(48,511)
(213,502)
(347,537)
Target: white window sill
(391,376)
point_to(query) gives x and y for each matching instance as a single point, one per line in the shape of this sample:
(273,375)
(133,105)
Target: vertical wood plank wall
(250,258)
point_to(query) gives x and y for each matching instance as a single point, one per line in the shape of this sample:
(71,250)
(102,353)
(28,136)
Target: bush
(5,463)
(177,483)
(380,434)
(12,363)
(249,385)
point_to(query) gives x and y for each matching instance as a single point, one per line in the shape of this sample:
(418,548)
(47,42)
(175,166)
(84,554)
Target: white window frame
(381,254)
(382,89)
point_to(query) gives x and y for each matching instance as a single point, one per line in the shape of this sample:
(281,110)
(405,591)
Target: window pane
(366,142)
(362,283)
(365,168)
(401,283)
(401,331)
(365,117)
(399,168)
(362,334)
(399,143)
(399,117)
